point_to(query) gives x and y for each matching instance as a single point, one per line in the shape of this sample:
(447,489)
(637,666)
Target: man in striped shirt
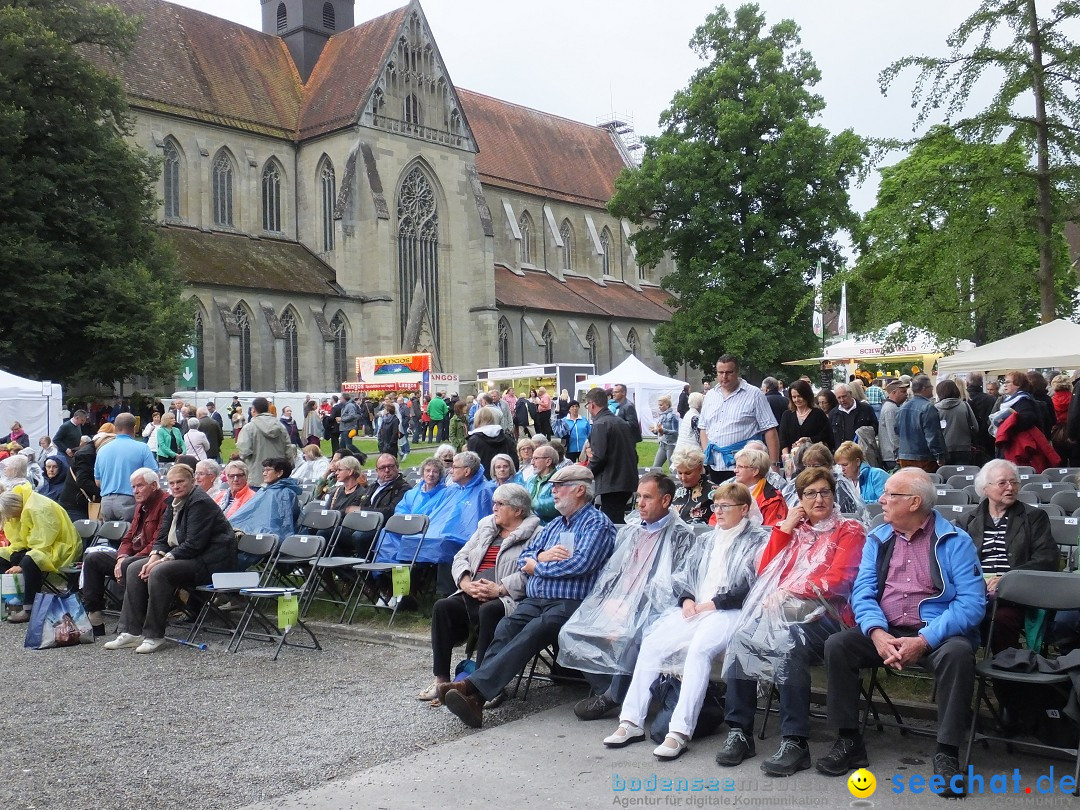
(734,413)
(562,563)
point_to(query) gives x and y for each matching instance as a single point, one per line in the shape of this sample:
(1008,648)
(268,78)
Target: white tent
(31,404)
(1052,345)
(643,387)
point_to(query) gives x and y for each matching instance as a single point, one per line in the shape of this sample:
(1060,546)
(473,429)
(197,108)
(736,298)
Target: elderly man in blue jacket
(918,598)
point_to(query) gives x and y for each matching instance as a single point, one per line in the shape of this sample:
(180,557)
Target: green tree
(1036,105)
(90,290)
(746,193)
(941,248)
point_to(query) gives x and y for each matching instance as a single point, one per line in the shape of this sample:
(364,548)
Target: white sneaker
(381,603)
(151,645)
(123,640)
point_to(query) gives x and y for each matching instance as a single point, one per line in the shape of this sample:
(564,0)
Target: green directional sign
(189,369)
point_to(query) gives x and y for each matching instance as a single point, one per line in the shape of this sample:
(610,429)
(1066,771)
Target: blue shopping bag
(57,621)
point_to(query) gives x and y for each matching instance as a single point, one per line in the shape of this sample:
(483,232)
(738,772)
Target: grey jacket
(888,436)
(507,572)
(262,438)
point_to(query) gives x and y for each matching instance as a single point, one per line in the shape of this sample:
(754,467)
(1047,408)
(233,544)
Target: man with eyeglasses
(732,414)
(849,415)
(544,459)
(388,488)
(918,599)
(562,562)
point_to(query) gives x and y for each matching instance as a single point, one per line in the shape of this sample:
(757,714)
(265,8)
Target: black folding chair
(1048,590)
(296,572)
(362,521)
(87,530)
(408,526)
(260,546)
(112,532)
(298,547)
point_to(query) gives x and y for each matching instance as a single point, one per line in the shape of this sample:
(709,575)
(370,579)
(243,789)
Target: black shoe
(595,707)
(792,756)
(736,748)
(468,708)
(99,630)
(847,754)
(947,766)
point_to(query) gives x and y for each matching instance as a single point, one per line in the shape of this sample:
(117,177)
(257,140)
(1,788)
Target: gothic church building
(330,193)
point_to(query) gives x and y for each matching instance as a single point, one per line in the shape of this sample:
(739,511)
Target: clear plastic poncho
(634,588)
(802,579)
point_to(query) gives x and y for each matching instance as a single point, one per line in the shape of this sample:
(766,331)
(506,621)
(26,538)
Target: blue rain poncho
(417,501)
(273,510)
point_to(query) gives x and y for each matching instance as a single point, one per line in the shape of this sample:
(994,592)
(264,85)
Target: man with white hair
(104,563)
(849,415)
(562,562)
(918,599)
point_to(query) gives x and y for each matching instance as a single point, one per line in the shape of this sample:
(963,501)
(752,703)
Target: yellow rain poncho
(43,530)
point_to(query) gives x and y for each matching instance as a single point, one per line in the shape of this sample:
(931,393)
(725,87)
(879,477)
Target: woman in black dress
(803,419)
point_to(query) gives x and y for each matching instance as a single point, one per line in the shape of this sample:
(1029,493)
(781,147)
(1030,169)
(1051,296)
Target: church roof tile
(536,289)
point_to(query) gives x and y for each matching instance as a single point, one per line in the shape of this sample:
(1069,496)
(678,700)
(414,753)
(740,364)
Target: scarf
(719,567)
(178,505)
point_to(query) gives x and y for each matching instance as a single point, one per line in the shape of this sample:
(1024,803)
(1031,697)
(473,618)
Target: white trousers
(708,635)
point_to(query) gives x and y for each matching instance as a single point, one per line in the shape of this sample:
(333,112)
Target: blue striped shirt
(574,577)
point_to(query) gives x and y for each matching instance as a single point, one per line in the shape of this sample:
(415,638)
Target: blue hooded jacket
(273,510)
(960,603)
(416,501)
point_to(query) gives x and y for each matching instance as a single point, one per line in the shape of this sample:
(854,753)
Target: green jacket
(164,446)
(543,499)
(458,432)
(438,409)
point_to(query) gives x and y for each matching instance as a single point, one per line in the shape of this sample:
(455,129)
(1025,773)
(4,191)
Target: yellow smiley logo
(862,784)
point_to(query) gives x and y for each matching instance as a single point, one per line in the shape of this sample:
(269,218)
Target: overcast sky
(584,59)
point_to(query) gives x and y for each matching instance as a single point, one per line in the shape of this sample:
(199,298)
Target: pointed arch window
(327,195)
(412,111)
(525,225)
(605,245)
(566,233)
(504,343)
(593,340)
(548,336)
(199,342)
(341,348)
(633,342)
(223,190)
(244,324)
(418,248)
(271,198)
(171,177)
(329,17)
(292,354)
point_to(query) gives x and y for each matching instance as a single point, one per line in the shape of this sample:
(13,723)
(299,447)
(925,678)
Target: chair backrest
(362,521)
(951,497)
(1030,498)
(937,478)
(1065,530)
(1045,491)
(954,512)
(1025,470)
(874,509)
(407,524)
(1069,501)
(113,531)
(1051,509)
(1049,590)
(960,480)
(973,496)
(318,519)
(87,528)
(1062,473)
(877,521)
(302,546)
(236,579)
(949,470)
(304,498)
(1032,478)
(257,545)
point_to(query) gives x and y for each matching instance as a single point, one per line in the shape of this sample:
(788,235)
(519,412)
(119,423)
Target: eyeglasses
(724,507)
(204,474)
(498,503)
(1004,484)
(889,495)
(386,467)
(815,494)
(235,475)
(563,484)
(745,467)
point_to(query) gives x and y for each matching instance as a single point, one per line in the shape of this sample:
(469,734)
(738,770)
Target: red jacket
(1026,448)
(139,539)
(1061,400)
(834,569)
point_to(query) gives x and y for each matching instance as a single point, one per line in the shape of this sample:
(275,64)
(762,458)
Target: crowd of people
(757,555)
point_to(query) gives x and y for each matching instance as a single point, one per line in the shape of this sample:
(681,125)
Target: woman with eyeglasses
(237,493)
(490,584)
(751,468)
(799,599)
(712,583)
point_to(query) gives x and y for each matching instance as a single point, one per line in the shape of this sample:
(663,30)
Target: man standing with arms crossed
(734,413)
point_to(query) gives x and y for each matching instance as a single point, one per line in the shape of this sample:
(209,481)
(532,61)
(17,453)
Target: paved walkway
(553,760)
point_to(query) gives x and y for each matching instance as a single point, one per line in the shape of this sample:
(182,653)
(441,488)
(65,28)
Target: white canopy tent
(921,347)
(1052,345)
(643,387)
(30,403)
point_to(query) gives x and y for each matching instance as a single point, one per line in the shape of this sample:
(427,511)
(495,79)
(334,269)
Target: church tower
(306,25)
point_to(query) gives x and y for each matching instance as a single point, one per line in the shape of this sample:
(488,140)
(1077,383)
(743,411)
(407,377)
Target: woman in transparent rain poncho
(799,599)
(710,587)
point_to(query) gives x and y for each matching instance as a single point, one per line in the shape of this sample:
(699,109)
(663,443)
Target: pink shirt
(908,580)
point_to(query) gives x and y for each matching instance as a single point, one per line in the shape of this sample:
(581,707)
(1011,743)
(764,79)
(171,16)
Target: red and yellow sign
(375,368)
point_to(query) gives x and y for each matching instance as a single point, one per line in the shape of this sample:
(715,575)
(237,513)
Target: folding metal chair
(300,547)
(1025,470)
(936,478)
(1048,590)
(87,530)
(1032,478)
(311,521)
(1045,491)
(362,521)
(972,494)
(1051,509)
(408,526)
(112,532)
(261,546)
(1029,497)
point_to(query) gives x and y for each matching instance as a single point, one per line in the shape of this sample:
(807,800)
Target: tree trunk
(1047,303)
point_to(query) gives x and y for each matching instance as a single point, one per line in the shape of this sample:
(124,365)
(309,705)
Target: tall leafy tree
(89,289)
(1035,106)
(941,248)
(745,191)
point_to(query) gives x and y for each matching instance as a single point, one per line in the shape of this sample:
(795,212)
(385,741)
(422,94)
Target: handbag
(11,593)
(666,689)
(58,621)
(93,508)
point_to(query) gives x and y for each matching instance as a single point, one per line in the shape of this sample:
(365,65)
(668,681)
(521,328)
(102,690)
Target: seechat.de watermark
(975,784)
